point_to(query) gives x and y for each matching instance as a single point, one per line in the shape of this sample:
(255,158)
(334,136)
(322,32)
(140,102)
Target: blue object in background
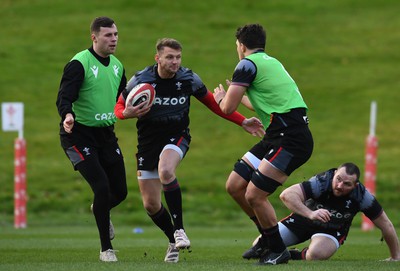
(137,230)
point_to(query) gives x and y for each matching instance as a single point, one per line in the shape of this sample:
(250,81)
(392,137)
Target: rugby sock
(274,239)
(296,254)
(163,220)
(173,198)
(303,253)
(255,220)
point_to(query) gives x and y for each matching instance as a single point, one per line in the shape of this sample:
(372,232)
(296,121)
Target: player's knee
(101,190)
(230,188)
(151,207)
(284,196)
(236,185)
(235,190)
(264,183)
(166,174)
(252,198)
(121,196)
(317,255)
(243,169)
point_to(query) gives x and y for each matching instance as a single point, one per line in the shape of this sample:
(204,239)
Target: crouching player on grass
(323,209)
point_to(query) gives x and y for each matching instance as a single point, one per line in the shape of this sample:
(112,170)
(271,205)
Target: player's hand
(68,123)
(254,127)
(219,93)
(138,111)
(322,215)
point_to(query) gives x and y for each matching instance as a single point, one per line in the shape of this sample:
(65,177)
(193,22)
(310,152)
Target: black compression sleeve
(71,82)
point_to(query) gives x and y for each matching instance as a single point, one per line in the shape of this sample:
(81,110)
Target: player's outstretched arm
(390,236)
(251,125)
(245,100)
(229,100)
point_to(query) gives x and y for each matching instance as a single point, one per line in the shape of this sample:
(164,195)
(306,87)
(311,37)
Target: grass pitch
(342,54)
(77,248)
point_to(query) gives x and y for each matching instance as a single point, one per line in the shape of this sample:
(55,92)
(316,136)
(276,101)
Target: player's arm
(243,76)
(70,85)
(120,107)
(389,234)
(245,100)
(209,101)
(122,85)
(251,125)
(68,92)
(246,103)
(229,100)
(294,198)
(125,110)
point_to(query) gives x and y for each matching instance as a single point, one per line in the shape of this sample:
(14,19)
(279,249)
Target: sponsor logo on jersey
(104,116)
(335,213)
(170,101)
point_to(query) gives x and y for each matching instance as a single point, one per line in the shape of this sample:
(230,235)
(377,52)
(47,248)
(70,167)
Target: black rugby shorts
(288,142)
(148,155)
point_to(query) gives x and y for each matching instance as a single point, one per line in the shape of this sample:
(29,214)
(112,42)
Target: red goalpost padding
(370,164)
(20,195)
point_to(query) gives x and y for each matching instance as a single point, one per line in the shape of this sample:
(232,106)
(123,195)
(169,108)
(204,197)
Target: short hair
(168,42)
(351,169)
(252,36)
(100,22)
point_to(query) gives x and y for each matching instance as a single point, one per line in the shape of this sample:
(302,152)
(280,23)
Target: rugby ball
(141,93)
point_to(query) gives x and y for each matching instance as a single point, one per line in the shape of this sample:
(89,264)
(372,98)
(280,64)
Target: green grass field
(75,248)
(342,53)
